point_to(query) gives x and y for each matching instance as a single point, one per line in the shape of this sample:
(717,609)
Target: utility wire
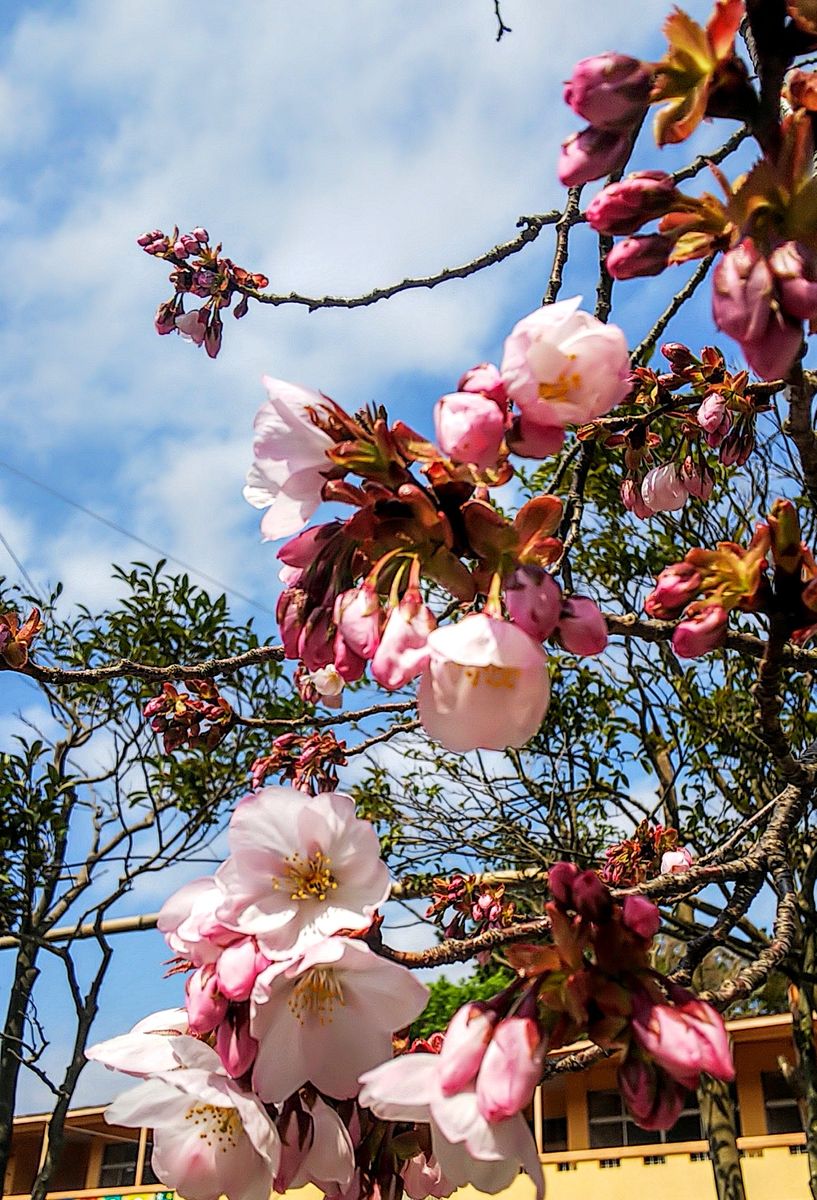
(89,512)
(31,585)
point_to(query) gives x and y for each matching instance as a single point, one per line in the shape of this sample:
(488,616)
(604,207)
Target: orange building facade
(589,1148)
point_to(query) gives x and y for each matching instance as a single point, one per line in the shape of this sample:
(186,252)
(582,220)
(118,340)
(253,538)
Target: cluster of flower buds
(264,1079)
(706,407)
(775,575)
(765,285)
(307,761)
(700,76)
(16,638)
(651,850)
(355,595)
(199,720)
(199,270)
(465,904)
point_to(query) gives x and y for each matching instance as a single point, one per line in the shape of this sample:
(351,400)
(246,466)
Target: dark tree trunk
(718,1120)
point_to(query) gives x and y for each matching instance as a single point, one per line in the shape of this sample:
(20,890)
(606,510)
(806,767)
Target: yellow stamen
(493,676)
(310,878)
(219,1127)
(315,995)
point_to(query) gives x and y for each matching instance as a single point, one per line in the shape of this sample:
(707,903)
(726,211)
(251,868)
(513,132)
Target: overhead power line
(134,537)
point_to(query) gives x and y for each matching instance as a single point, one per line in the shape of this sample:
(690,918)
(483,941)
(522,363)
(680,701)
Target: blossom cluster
(280,1070)
(357,591)
(706,406)
(199,270)
(198,720)
(765,285)
(651,850)
(775,575)
(16,637)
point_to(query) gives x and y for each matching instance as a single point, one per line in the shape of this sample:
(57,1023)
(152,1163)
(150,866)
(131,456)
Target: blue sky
(333,146)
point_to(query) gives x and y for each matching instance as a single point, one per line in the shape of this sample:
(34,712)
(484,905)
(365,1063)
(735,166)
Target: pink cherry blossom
(486,685)
(328,682)
(189,923)
(300,867)
(623,207)
(469,428)
(422,1177)
(210,1138)
(468,1148)
(193,326)
(582,628)
(235,1045)
(698,480)
(529,440)
(563,367)
(533,599)
(156,1043)
(403,649)
(674,861)
(714,417)
(640,916)
(663,489)
(676,586)
(684,1037)
(634,257)
(328,1016)
(746,306)
(795,270)
(290,458)
(632,499)
(324,1155)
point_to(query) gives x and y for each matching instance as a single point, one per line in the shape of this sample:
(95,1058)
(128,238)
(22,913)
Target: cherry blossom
(486,685)
(290,458)
(322,1154)
(301,867)
(328,1016)
(468,1148)
(210,1137)
(562,367)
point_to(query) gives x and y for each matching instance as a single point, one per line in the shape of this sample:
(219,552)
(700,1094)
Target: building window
(554,1134)
(782,1110)
(148,1174)
(119,1164)
(654,1160)
(611,1124)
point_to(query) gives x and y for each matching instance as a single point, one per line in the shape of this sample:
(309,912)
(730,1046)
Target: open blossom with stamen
(301,867)
(563,367)
(486,685)
(468,1148)
(210,1137)
(156,1043)
(290,458)
(328,1016)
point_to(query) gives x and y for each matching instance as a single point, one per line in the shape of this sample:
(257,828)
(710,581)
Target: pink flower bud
(700,633)
(632,499)
(402,652)
(714,417)
(180,250)
(744,305)
(466,1039)
(155,235)
(165,320)
(206,1007)
(663,489)
(795,270)
(486,379)
(237,968)
(469,428)
(698,481)
(609,90)
(235,1045)
(359,619)
(290,612)
(529,440)
(675,861)
(623,207)
(636,256)
(736,447)
(676,587)
(653,1097)
(561,877)
(534,601)
(593,153)
(201,235)
(348,665)
(315,643)
(684,1037)
(582,629)
(640,916)
(511,1068)
(591,897)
